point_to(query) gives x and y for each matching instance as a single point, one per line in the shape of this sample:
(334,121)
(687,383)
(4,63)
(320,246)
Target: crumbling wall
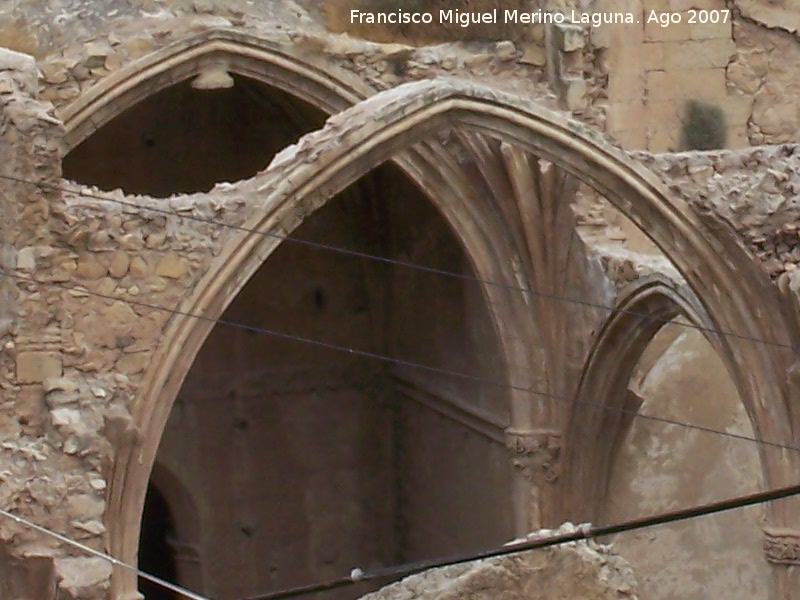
(753,192)
(703,85)
(57,426)
(575,570)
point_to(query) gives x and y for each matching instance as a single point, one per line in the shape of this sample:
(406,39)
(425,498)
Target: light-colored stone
(118,266)
(130,364)
(35,367)
(90,267)
(172,266)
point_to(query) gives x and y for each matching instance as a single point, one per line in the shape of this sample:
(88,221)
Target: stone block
(575,94)
(698,84)
(684,5)
(626,85)
(29,406)
(737,137)
(712,31)
(23,65)
(568,37)
(625,116)
(738,109)
(661,138)
(26,258)
(631,139)
(673,32)
(704,54)
(35,367)
(664,126)
(653,56)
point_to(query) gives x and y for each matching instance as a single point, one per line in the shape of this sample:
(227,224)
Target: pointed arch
(642,309)
(271,62)
(304,176)
(441,177)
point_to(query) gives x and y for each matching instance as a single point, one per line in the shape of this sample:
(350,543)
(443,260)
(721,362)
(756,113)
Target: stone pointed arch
(319,83)
(272,62)
(603,398)
(304,176)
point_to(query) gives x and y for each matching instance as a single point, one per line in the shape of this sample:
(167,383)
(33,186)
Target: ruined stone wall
(574,570)
(72,363)
(708,85)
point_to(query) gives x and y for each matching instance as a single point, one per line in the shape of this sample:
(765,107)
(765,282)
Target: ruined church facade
(280,298)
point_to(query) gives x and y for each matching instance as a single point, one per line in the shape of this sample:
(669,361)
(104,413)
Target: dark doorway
(155,554)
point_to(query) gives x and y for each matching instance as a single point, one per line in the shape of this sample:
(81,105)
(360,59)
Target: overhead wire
(394,360)
(186,593)
(585,531)
(404,570)
(400,263)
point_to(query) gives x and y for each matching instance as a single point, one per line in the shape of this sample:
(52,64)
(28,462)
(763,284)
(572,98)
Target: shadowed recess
(184,140)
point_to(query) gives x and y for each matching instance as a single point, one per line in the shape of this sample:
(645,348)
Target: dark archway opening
(184,140)
(315,461)
(156,556)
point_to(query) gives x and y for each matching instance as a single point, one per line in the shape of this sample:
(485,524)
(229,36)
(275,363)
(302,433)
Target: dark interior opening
(183,140)
(156,556)
(315,460)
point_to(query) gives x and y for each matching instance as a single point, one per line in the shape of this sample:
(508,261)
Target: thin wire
(583,532)
(395,361)
(401,263)
(114,561)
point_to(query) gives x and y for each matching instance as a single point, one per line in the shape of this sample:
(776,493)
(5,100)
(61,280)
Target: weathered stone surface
(119,264)
(73,363)
(81,578)
(172,266)
(575,570)
(35,367)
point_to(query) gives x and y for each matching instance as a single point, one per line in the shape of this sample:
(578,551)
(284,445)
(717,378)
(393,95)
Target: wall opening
(156,555)
(658,467)
(184,140)
(314,461)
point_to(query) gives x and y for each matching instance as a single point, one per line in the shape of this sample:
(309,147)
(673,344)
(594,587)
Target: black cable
(583,532)
(395,361)
(399,263)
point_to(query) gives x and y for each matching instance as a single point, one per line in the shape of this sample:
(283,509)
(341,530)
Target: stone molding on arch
(594,421)
(304,176)
(279,65)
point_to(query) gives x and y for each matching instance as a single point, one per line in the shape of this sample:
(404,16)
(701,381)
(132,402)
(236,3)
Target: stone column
(534,455)
(782,551)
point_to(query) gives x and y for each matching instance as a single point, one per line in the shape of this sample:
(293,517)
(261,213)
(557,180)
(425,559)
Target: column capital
(535,453)
(782,546)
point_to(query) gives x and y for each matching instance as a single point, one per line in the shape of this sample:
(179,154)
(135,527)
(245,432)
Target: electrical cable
(399,263)
(395,361)
(96,553)
(583,532)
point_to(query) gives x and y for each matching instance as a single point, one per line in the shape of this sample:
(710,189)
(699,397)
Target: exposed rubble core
(578,569)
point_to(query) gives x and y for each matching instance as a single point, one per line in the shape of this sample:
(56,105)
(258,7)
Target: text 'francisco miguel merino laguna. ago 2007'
(467,18)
